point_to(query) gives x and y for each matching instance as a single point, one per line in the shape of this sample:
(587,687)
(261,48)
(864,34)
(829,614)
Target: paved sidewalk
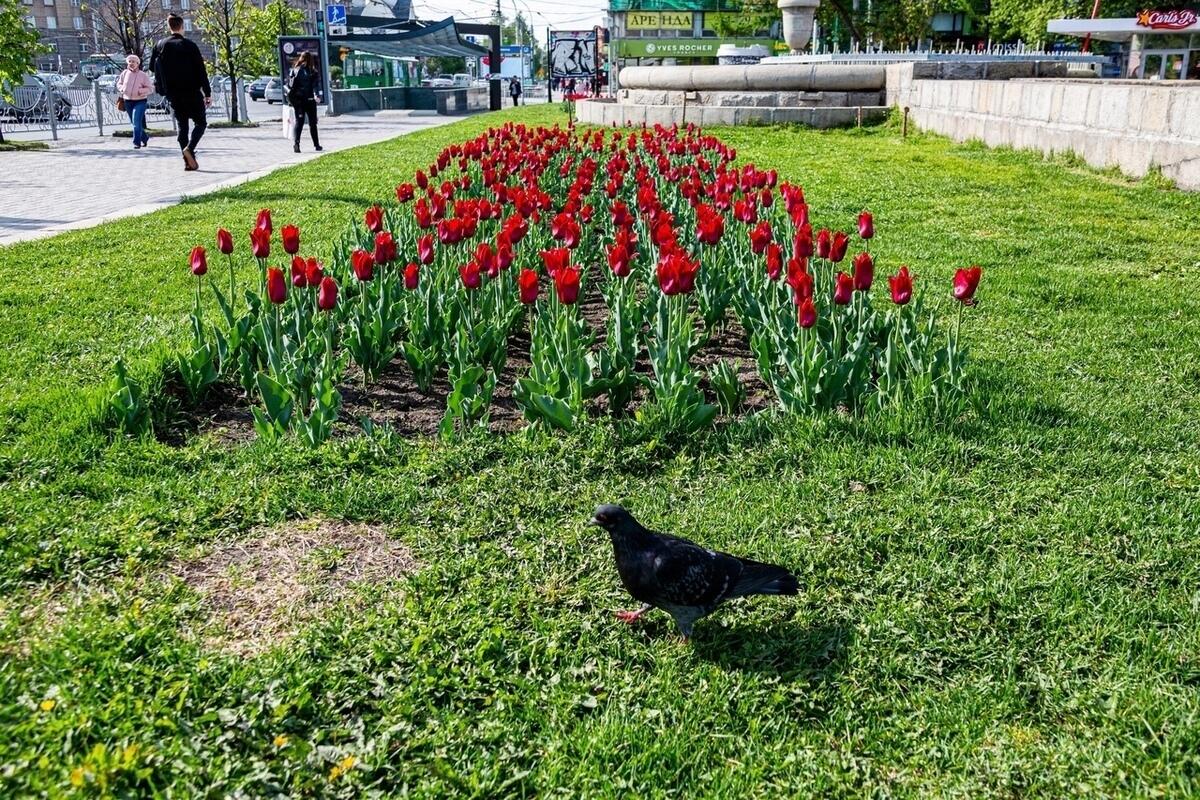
(84,182)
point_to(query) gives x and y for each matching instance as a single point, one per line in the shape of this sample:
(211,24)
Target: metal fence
(52,107)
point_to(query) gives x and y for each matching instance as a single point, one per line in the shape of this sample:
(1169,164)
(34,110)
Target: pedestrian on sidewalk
(305,85)
(180,76)
(133,87)
(514,89)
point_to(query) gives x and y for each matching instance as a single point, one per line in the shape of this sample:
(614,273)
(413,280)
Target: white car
(441,82)
(273,92)
(461,80)
(108,83)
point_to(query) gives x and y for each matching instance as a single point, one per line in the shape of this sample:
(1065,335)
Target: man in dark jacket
(180,76)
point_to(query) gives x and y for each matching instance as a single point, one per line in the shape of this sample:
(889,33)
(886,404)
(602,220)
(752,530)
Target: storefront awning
(1123,29)
(420,40)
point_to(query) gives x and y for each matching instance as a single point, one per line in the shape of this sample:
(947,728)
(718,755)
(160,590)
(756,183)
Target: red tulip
(800,279)
(412,275)
(264,221)
(385,248)
(556,259)
(774,261)
(471,276)
(404,192)
(806,313)
(619,260)
(866,225)
(199,261)
(363,265)
(803,242)
(485,257)
(620,215)
(902,287)
(299,271)
(566,283)
(710,225)
(422,179)
(504,256)
(760,236)
(290,236)
(276,285)
(425,249)
(373,217)
(966,281)
(824,242)
(260,243)
(843,288)
(677,273)
(864,272)
(313,273)
(527,281)
(224,241)
(837,248)
(327,294)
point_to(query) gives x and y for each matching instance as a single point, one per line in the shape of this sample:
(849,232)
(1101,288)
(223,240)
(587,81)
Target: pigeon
(681,577)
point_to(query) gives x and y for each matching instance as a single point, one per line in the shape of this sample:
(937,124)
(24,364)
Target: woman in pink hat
(133,87)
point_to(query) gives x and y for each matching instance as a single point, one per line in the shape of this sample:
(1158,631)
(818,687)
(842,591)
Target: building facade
(680,31)
(77,37)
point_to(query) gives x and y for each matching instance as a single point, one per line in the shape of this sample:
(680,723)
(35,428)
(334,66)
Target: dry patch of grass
(261,591)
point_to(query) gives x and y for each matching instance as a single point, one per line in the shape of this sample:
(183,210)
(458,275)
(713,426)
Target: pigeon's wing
(690,575)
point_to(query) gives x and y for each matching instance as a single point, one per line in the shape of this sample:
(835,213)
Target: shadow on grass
(788,649)
(270,199)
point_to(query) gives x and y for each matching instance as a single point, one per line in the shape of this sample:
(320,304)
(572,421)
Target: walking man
(514,90)
(179,75)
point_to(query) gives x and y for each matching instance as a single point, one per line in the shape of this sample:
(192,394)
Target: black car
(257,88)
(29,105)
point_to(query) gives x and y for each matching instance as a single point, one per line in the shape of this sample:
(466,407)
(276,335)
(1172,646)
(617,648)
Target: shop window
(1193,73)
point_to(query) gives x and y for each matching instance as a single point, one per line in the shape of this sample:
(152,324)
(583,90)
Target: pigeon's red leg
(631,617)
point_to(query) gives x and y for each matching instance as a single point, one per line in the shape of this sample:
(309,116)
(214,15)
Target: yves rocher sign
(1174,20)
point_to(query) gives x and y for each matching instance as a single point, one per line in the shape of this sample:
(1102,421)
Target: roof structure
(394,38)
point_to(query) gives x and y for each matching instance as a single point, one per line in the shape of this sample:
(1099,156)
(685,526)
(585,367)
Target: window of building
(27,2)
(77,23)
(48,3)
(185,4)
(51,23)
(166,4)
(187,25)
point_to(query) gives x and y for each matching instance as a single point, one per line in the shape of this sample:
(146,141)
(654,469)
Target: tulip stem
(232,298)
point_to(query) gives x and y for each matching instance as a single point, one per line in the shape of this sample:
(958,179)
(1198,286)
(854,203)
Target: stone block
(1156,110)
(1075,103)
(1113,108)
(1007,70)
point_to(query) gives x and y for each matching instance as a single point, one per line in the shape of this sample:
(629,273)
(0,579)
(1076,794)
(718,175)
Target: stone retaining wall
(1131,125)
(608,112)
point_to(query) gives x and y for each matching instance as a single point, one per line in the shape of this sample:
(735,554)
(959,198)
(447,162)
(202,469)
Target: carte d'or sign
(1174,20)
(656,20)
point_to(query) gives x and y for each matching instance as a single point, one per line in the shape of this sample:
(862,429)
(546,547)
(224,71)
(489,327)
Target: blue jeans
(136,109)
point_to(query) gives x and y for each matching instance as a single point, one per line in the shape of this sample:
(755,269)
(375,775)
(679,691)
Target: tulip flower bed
(622,254)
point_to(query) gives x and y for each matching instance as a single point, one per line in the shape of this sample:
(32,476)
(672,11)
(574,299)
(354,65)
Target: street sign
(335,14)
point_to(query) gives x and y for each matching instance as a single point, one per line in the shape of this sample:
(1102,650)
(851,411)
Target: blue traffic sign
(335,15)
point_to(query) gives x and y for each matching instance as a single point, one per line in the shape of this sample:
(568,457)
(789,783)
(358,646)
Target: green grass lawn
(1009,606)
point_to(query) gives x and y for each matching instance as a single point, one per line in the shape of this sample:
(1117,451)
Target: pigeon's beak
(595,522)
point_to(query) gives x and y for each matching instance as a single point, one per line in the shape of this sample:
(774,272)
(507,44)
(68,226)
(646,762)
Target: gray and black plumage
(679,576)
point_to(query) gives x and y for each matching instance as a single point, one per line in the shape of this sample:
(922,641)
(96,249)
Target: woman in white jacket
(133,87)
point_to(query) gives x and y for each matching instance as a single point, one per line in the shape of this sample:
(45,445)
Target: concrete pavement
(86,180)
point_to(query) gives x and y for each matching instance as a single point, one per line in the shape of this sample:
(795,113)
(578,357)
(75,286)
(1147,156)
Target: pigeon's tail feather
(759,578)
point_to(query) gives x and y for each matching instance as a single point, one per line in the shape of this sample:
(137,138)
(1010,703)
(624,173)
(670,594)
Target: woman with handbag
(133,87)
(302,94)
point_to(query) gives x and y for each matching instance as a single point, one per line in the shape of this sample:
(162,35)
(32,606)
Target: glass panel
(1153,65)
(1174,69)
(1193,70)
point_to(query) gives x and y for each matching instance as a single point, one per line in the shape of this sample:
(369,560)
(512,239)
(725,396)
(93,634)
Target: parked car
(273,91)
(108,83)
(461,80)
(257,88)
(442,82)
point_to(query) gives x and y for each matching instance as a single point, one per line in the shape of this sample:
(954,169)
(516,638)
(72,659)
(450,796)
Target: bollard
(859,117)
(243,105)
(51,110)
(99,106)
(904,125)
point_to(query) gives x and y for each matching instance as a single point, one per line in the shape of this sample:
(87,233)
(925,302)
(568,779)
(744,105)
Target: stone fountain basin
(758,78)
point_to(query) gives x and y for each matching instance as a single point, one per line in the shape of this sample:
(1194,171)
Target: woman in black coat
(305,85)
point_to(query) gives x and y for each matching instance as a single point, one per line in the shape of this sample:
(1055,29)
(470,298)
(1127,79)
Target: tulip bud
(864,272)
(299,272)
(527,282)
(866,225)
(901,286)
(290,236)
(199,261)
(843,289)
(327,294)
(224,241)
(276,286)
(966,281)
(412,274)
(806,313)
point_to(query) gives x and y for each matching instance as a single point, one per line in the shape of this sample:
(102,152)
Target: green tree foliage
(755,16)
(244,38)
(1026,19)
(19,45)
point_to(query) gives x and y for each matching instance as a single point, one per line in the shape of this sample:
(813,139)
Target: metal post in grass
(904,125)
(99,106)
(51,109)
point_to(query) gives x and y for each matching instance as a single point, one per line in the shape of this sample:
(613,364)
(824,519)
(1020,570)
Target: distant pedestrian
(302,94)
(180,76)
(514,90)
(133,87)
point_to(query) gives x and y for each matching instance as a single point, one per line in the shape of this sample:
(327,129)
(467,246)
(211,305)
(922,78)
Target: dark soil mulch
(395,400)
